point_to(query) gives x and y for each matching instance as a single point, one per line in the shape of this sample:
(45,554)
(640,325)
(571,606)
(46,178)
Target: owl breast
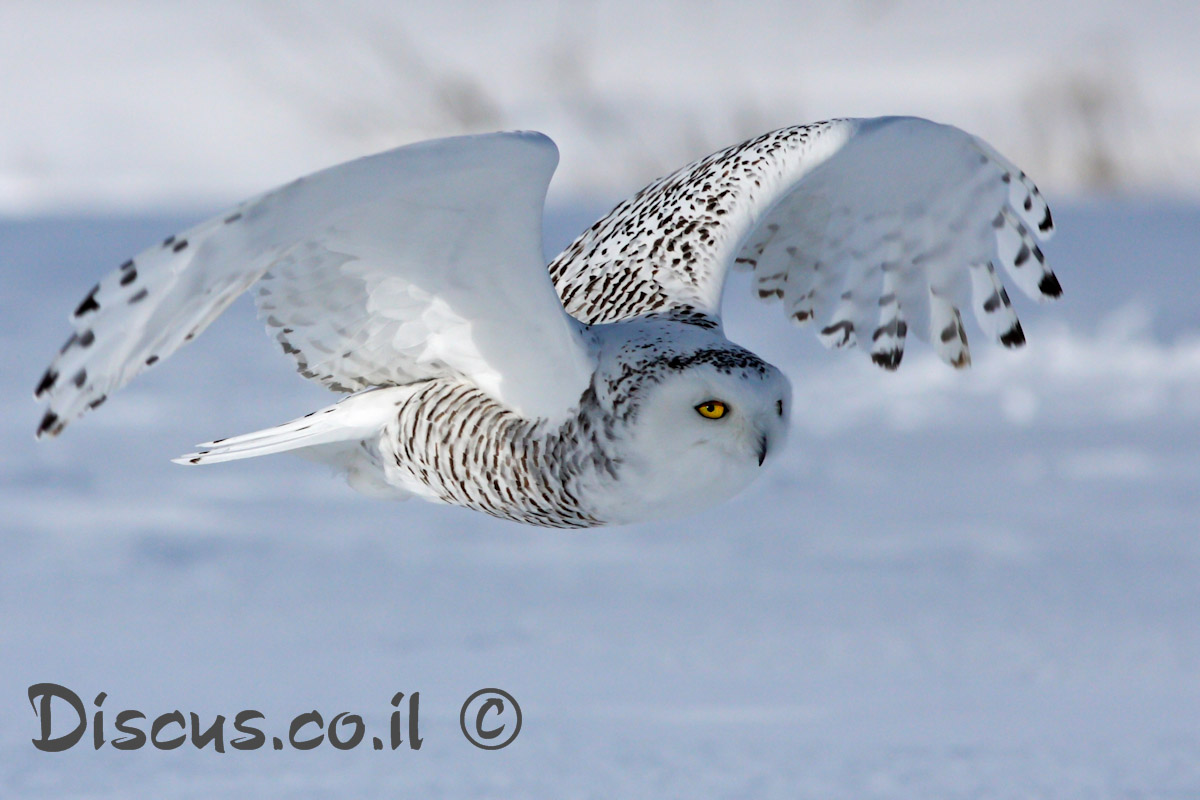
(452,443)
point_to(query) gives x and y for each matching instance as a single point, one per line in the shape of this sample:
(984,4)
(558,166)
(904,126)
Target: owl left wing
(420,262)
(869,226)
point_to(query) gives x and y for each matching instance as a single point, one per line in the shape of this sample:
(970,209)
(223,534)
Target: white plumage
(600,391)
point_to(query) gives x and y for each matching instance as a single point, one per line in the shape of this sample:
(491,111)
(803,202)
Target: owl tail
(325,433)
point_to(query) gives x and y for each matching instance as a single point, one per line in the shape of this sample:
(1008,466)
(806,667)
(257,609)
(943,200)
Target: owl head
(700,424)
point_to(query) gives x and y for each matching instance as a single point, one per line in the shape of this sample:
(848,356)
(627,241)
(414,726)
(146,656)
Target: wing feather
(414,263)
(867,226)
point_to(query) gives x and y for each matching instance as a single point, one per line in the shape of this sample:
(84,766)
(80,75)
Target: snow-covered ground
(980,585)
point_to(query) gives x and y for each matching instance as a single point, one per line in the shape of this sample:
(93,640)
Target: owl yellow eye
(712,409)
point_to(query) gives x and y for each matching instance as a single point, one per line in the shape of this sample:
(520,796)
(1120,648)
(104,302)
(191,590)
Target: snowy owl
(601,390)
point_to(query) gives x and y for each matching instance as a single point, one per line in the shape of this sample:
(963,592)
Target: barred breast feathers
(451,442)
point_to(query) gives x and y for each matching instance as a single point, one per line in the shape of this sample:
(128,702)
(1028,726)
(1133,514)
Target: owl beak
(762,449)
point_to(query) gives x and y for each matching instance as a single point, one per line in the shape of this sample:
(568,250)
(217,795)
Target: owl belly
(658,485)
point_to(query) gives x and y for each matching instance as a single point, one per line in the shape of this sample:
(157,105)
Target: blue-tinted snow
(979,586)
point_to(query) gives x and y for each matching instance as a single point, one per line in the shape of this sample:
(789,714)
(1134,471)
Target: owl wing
(414,263)
(870,226)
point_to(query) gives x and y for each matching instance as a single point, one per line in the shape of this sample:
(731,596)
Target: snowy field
(983,585)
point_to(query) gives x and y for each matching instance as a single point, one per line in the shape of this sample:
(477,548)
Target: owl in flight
(601,390)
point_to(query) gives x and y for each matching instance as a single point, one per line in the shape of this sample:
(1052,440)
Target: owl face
(703,433)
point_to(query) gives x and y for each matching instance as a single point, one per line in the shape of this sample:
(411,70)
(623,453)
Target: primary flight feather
(602,390)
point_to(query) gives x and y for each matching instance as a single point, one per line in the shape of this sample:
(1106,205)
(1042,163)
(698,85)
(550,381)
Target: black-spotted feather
(414,263)
(820,213)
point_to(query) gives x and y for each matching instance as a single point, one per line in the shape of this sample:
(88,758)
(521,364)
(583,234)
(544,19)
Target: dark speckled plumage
(413,281)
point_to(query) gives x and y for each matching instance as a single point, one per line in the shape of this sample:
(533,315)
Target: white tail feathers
(359,416)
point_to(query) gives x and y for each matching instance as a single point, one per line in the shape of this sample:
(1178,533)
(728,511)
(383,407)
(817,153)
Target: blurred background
(978,585)
(141,105)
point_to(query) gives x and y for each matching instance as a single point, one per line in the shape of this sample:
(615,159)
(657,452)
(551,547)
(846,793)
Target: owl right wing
(873,228)
(415,263)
